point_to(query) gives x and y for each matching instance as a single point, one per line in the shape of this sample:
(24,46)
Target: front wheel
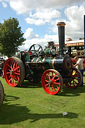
(52,81)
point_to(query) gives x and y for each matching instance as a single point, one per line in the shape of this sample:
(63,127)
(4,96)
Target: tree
(11,37)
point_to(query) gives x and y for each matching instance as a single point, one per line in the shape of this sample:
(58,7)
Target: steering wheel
(36,49)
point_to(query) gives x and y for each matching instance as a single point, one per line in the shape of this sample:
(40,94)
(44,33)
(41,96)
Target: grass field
(31,107)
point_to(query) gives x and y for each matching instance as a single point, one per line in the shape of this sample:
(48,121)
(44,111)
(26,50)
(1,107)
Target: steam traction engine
(52,69)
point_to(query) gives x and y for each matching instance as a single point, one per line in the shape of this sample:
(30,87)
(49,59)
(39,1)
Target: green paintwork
(48,51)
(27,57)
(18,55)
(47,63)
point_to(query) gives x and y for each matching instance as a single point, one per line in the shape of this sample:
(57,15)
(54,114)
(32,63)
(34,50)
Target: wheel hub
(50,82)
(11,72)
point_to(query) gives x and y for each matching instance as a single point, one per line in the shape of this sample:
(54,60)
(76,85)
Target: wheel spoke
(16,73)
(53,87)
(16,78)
(48,76)
(34,47)
(46,81)
(10,80)
(75,75)
(38,49)
(9,69)
(13,81)
(54,77)
(7,72)
(57,86)
(56,83)
(9,66)
(16,68)
(12,62)
(47,85)
(75,82)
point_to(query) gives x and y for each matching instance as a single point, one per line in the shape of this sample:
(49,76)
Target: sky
(38,19)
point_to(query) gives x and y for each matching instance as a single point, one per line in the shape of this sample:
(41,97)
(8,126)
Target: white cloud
(46,14)
(75,23)
(4,3)
(74,19)
(51,38)
(25,6)
(40,17)
(29,34)
(37,22)
(41,41)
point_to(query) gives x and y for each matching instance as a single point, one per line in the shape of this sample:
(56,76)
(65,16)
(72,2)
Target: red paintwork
(12,72)
(73,60)
(84,63)
(51,82)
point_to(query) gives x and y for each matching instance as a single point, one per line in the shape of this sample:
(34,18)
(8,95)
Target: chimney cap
(61,24)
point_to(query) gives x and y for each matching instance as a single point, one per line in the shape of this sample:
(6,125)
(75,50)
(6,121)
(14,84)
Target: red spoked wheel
(52,81)
(14,71)
(77,79)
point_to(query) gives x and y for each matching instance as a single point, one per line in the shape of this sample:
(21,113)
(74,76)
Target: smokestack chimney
(61,34)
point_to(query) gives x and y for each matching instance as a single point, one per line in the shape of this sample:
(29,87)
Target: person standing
(79,65)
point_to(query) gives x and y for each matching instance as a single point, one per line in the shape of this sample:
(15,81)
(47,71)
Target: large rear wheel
(52,81)
(14,71)
(77,78)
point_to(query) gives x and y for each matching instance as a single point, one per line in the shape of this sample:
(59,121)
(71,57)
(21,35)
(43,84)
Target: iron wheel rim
(51,81)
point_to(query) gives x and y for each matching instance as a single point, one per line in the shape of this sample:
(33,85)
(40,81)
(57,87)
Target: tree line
(11,37)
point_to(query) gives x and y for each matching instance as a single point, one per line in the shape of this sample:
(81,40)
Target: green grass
(31,107)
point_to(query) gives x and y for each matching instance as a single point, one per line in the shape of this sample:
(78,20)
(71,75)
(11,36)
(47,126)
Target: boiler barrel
(60,64)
